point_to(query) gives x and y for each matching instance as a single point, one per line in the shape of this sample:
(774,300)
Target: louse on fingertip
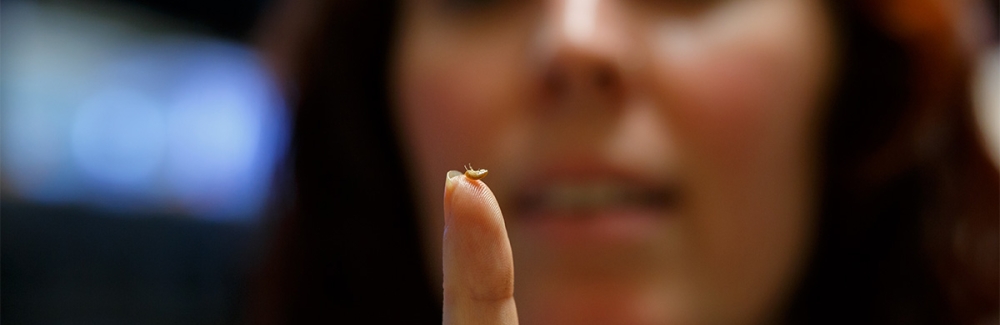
(475,173)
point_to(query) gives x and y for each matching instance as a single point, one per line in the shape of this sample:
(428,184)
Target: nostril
(595,80)
(604,79)
(555,83)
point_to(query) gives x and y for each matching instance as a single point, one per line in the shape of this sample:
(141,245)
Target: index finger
(477,260)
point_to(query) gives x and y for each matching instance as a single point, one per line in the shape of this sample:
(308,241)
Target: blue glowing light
(124,120)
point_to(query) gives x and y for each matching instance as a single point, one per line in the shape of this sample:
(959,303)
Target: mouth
(579,198)
(597,207)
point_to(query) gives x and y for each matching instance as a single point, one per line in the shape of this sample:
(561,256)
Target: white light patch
(580,19)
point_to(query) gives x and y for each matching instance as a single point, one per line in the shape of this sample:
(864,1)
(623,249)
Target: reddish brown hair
(911,200)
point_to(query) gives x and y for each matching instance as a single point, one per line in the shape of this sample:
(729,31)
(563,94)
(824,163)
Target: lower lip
(623,226)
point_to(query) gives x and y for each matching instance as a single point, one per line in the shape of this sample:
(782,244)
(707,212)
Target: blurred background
(140,151)
(142,157)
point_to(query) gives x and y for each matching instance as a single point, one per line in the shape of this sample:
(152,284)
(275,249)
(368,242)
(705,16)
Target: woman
(655,162)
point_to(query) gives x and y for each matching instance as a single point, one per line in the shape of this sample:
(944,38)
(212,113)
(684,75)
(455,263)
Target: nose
(582,51)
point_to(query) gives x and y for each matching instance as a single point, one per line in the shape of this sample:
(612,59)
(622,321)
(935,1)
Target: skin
(478,270)
(721,98)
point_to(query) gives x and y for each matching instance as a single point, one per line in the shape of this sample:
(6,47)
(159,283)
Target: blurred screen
(140,143)
(124,111)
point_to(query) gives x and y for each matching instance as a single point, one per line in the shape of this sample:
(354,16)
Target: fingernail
(450,180)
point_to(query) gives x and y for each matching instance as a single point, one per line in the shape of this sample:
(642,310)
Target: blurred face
(654,160)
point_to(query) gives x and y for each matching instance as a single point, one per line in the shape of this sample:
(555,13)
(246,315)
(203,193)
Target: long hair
(909,221)
(910,200)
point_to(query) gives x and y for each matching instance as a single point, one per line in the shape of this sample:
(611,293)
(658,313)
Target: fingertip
(477,254)
(473,198)
(450,180)
(477,260)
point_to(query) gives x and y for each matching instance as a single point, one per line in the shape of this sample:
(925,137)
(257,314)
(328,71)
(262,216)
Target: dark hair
(910,203)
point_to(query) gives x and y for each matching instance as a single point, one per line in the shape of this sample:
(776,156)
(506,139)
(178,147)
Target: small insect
(474,173)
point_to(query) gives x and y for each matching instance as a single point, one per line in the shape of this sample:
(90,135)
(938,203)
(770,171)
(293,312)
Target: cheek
(722,107)
(739,83)
(742,111)
(443,122)
(746,153)
(451,114)
(448,117)
(728,101)
(439,117)
(741,147)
